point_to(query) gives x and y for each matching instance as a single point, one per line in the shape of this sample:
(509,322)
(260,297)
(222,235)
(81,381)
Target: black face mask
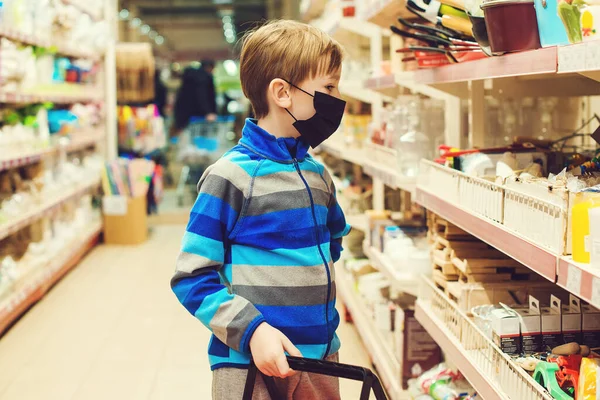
(327,118)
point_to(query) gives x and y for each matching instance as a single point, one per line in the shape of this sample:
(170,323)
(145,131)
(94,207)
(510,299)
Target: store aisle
(113,330)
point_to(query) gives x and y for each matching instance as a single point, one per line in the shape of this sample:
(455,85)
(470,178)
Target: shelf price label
(574,280)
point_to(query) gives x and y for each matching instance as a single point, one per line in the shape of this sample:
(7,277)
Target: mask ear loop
(298,87)
(291,115)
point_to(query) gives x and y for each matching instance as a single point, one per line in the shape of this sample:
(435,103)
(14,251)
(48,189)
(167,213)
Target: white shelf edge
(12,225)
(373,341)
(534,257)
(384,266)
(456,352)
(34,156)
(37,279)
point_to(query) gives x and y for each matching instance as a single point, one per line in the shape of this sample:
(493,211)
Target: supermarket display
(135,73)
(141,129)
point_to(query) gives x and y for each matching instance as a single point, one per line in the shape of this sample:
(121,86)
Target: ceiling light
(124,13)
(159,40)
(230,39)
(145,29)
(152,34)
(136,22)
(227,25)
(230,67)
(229,32)
(227,19)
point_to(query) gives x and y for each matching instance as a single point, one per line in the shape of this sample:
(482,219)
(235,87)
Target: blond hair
(288,50)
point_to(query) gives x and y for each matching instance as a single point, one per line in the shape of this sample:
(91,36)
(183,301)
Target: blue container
(551,28)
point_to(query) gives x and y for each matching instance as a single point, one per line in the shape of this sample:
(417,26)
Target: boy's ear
(280,92)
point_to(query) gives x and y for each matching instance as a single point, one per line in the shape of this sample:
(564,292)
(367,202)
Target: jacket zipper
(312,208)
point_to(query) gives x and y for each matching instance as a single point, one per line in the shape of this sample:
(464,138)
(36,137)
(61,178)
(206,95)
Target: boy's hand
(268,346)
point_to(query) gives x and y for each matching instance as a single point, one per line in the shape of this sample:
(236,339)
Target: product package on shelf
(440,382)
(473,273)
(126,184)
(392,315)
(141,129)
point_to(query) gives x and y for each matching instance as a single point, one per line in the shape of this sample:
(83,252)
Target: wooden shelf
(37,283)
(13,225)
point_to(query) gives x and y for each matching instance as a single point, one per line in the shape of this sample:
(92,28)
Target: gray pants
(228,384)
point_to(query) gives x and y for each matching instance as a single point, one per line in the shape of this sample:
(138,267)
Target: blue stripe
(192,291)
(293,316)
(211,303)
(269,167)
(207,204)
(206,226)
(280,220)
(244,255)
(217,348)
(290,239)
(245,342)
(204,246)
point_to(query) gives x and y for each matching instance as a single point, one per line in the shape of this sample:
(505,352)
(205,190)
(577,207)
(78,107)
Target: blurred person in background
(196,96)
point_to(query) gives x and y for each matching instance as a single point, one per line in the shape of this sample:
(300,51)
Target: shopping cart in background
(200,145)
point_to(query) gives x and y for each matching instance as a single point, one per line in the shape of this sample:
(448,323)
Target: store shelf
(492,373)
(543,61)
(356,90)
(61,94)
(358,222)
(455,352)
(82,141)
(388,175)
(387,366)
(386,12)
(534,257)
(401,282)
(84,7)
(62,49)
(14,225)
(35,284)
(580,279)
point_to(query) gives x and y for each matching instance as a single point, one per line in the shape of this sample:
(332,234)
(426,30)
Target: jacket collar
(275,149)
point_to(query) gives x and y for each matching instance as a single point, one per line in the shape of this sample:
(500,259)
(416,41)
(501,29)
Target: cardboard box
(590,325)
(125,220)
(571,320)
(531,326)
(552,324)
(506,330)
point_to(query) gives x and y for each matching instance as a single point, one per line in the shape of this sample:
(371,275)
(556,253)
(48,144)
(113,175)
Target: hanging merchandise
(135,73)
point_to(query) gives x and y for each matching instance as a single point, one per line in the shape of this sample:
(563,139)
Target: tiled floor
(112,329)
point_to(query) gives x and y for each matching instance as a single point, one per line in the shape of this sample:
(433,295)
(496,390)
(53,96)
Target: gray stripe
(223,189)
(247,275)
(225,315)
(230,171)
(237,327)
(315,181)
(285,201)
(277,182)
(188,263)
(282,295)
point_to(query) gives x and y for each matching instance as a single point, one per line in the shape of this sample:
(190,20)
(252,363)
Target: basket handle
(366,376)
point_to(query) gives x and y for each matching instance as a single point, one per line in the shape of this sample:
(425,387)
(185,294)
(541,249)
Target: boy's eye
(330,87)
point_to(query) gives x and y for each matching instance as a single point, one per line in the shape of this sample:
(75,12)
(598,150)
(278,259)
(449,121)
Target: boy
(256,265)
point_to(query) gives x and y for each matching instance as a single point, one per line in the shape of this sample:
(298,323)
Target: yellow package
(588,373)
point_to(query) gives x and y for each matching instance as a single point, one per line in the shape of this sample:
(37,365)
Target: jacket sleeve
(199,282)
(336,221)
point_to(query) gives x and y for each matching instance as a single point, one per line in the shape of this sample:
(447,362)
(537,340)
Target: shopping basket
(366,376)
(199,146)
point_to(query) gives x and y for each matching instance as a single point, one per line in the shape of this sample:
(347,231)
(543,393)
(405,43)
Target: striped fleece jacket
(260,245)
